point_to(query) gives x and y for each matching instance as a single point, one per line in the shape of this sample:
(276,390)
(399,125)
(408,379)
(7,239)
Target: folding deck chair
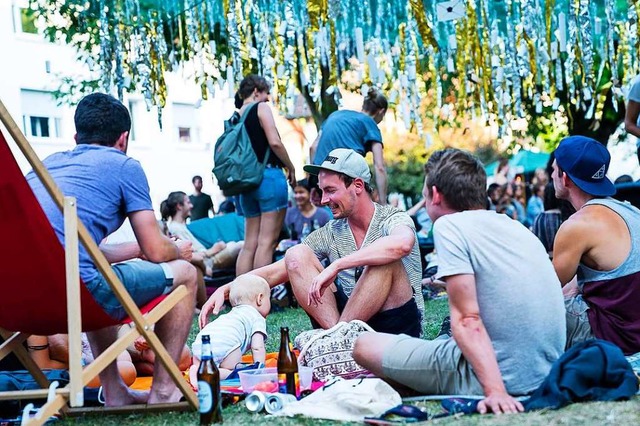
(41,292)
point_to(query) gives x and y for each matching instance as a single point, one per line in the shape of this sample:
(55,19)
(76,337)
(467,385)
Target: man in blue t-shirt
(109,187)
(358,131)
(632,116)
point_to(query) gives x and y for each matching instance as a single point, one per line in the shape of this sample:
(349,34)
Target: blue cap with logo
(586,161)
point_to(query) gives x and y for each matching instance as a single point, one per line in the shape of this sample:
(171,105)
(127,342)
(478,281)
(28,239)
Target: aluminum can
(276,402)
(255,401)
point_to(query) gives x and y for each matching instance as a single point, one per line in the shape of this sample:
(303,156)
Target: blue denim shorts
(143,280)
(272,194)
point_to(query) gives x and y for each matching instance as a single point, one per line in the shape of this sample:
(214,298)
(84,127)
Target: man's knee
(299,257)
(184,273)
(362,347)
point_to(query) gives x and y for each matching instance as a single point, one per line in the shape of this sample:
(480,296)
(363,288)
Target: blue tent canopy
(522,162)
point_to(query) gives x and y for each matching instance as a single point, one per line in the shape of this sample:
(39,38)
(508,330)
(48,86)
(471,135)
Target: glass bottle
(292,232)
(288,380)
(306,230)
(209,398)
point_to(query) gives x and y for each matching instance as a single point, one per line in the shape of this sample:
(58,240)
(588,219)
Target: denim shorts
(143,280)
(272,195)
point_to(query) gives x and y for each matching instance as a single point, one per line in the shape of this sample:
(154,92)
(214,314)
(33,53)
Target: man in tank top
(599,245)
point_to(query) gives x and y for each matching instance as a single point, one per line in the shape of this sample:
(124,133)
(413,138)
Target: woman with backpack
(264,208)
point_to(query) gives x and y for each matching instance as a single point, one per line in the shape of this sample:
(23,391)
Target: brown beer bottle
(288,381)
(210,401)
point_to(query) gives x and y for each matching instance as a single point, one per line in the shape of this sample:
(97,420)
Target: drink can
(276,402)
(255,401)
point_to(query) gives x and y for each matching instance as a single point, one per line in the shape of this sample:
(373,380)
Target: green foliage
(405,171)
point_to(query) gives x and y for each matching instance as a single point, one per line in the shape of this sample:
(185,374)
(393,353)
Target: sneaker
(445,328)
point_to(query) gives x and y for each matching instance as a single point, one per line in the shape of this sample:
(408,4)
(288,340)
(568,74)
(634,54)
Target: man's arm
(383,251)
(155,246)
(631,118)
(381,171)
(120,252)
(474,342)
(568,248)
(274,274)
(314,148)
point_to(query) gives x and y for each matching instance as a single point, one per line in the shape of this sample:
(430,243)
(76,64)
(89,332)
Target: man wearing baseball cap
(601,244)
(374,272)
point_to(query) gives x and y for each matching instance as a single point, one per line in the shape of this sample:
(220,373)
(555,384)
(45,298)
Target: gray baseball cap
(342,160)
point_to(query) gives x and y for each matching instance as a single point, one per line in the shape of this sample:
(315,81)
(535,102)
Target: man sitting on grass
(374,273)
(507,314)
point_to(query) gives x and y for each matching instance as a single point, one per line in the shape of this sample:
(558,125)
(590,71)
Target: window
(24,20)
(184,134)
(184,122)
(40,115)
(40,126)
(28,21)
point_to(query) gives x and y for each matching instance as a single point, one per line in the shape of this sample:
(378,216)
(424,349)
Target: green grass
(591,414)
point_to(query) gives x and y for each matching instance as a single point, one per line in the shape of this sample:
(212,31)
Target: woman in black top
(264,208)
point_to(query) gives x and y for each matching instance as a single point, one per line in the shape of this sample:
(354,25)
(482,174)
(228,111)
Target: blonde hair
(246,288)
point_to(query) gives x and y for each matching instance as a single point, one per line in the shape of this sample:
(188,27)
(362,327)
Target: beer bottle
(288,381)
(210,401)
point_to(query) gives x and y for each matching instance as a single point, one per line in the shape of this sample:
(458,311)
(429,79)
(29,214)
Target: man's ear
(122,142)
(436,197)
(358,184)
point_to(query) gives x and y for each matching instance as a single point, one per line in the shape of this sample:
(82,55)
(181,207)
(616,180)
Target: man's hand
(211,307)
(499,403)
(186,249)
(320,284)
(141,344)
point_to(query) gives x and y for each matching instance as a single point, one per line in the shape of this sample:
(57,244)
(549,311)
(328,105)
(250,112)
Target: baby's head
(251,290)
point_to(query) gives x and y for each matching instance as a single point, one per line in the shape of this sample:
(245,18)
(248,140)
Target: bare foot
(127,398)
(218,247)
(163,397)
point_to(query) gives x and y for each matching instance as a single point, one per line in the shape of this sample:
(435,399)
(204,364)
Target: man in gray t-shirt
(507,312)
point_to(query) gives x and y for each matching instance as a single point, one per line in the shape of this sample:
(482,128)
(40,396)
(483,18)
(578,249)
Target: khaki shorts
(578,327)
(433,367)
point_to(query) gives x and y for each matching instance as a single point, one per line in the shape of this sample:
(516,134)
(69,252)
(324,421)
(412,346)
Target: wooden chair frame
(79,376)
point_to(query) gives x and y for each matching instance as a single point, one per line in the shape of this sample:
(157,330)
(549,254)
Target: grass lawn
(612,413)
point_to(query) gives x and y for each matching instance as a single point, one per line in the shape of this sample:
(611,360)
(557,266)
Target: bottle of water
(306,230)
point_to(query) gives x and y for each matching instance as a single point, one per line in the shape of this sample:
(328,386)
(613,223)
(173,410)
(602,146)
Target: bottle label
(205,396)
(289,383)
(282,383)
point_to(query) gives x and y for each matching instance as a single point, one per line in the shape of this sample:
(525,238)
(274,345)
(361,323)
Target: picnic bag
(330,352)
(235,164)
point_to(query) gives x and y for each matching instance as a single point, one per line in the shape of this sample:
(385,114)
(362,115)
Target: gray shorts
(578,327)
(143,280)
(433,367)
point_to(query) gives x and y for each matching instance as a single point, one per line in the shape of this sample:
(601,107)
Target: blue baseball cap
(586,161)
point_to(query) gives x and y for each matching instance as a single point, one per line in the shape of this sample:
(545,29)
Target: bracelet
(38,347)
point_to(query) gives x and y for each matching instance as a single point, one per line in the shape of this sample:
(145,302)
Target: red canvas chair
(40,288)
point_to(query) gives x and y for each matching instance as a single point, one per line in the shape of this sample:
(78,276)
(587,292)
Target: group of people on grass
(513,310)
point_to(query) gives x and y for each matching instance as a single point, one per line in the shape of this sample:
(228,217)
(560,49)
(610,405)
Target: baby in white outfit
(243,328)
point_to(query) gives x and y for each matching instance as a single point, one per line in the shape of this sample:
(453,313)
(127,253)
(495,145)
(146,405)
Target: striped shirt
(335,240)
